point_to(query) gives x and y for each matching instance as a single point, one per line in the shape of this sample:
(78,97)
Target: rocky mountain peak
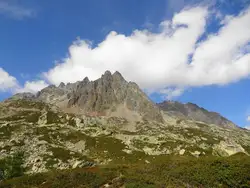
(86,80)
(106,75)
(117,76)
(61,85)
(111,95)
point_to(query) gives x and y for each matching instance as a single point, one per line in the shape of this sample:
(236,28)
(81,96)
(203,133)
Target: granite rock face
(110,92)
(109,95)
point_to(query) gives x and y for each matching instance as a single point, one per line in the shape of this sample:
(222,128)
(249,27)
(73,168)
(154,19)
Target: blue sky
(191,51)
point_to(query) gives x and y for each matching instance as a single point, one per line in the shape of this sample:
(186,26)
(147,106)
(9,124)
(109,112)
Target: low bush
(11,166)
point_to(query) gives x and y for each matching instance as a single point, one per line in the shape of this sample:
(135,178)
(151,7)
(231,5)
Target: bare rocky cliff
(111,92)
(110,95)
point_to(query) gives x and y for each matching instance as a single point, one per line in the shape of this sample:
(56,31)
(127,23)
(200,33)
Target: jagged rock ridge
(194,112)
(112,95)
(109,95)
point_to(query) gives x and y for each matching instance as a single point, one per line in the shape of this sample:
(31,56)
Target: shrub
(12,166)
(52,117)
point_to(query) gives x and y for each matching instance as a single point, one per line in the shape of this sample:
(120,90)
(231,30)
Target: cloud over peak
(153,60)
(173,57)
(181,55)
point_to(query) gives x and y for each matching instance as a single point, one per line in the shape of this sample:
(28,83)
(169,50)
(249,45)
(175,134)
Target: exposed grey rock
(227,148)
(194,112)
(108,92)
(100,97)
(25,95)
(50,94)
(61,85)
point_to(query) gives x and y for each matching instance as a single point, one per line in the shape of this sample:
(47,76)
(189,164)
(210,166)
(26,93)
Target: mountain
(110,95)
(194,112)
(110,121)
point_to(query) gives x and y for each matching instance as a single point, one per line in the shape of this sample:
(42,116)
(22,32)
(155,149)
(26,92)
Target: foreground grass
(62,179)
(161,172)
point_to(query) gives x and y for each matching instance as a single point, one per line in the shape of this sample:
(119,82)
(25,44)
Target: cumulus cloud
(174,57)
(14,11)
(153,60)
(220,59)
(7,82)
(32,86)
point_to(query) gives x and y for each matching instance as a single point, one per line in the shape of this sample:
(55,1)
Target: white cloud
(14,11)
(219,60)
(32,86)
(153,60)
(248,118)
(7,82)
(161,60)
(171,93)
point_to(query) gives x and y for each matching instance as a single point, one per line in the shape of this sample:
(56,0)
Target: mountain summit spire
(111,95)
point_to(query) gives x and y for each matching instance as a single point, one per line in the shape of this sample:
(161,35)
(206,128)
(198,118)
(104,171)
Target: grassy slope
(162,172)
